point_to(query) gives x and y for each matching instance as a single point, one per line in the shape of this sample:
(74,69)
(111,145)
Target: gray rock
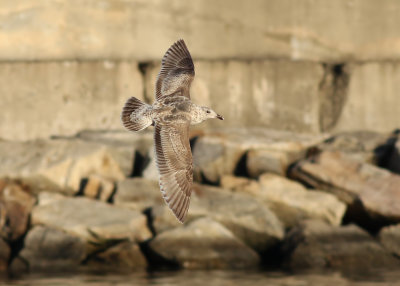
(219,152)
(353,181)
(93,221)
(359,145)
(63,162)
(246,217)
(138,194)
(122,144)
(390,238)
(204,244)
(15,207)
(50,249)
(316,245)
(124,256)
(292,202)
(5,252)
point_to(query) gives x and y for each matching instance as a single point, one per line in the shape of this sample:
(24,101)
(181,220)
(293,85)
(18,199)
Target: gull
(171,115)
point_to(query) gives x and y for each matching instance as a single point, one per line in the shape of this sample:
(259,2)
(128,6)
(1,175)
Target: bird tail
(135,115)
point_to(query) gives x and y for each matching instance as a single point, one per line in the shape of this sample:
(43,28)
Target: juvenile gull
(171,114)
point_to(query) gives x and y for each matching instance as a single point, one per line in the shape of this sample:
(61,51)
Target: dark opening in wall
(333,94)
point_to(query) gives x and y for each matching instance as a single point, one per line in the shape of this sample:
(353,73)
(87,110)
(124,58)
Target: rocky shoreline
(262,198)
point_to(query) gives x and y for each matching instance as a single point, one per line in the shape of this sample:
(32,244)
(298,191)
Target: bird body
(171,114)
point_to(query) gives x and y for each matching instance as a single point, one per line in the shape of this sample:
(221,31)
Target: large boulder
(248,151)
(16,203)
(124,256)
(390,238)
(47,248)
(65,163)
(292,202)
(357,184)
(204,244)
(94,222)
(246,217)
(317,245)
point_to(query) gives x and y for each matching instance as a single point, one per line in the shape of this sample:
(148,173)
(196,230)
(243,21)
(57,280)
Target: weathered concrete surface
(279,94)
(40,99)
(204,244)
(143,30)
(372,100)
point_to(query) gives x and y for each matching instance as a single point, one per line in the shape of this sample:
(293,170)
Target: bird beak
(220,117)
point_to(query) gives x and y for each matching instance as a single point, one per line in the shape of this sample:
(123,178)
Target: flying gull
(171,114)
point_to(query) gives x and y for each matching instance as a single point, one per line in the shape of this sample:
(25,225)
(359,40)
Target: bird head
(209,113)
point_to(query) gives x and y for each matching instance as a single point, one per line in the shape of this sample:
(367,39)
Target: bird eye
(208,111)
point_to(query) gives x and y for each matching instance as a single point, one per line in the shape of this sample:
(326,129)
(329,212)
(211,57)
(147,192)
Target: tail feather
(134,115)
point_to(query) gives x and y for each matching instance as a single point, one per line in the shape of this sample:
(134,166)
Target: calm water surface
(222,278)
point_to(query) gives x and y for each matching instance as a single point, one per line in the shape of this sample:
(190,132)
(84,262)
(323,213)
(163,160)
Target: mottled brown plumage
(171,114)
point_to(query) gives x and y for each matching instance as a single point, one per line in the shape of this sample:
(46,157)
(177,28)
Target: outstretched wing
(175,166)
(177,71)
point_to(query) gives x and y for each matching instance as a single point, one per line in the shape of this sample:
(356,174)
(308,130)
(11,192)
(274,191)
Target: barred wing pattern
(174,163)
(177,71)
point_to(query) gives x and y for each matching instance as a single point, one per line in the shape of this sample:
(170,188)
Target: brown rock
(98,187)
(124,256)
(5,252)
(15,206)
(390,238)
(240,184)
(204,244)
(316,245)
(353,181)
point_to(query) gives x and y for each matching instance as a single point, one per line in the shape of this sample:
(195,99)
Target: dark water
(222,278)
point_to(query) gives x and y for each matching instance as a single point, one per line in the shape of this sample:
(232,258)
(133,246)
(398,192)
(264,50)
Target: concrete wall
(304,65)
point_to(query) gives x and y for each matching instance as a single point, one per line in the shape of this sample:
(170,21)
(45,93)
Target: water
(208,278)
